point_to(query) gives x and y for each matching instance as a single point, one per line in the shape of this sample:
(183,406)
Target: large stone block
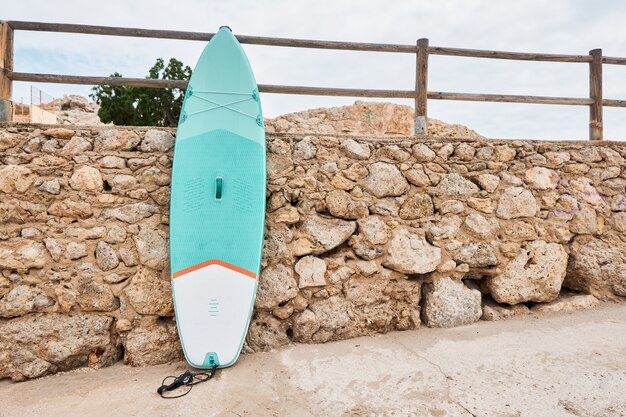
(39,344)
(597,265)
(448,303)
(535,274)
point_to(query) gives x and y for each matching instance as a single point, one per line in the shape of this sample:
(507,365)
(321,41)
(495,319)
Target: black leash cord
(187,379)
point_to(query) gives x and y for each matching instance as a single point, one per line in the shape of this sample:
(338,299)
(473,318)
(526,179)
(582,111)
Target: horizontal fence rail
(421,50)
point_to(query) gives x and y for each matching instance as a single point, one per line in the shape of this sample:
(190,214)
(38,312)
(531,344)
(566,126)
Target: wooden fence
(421,50)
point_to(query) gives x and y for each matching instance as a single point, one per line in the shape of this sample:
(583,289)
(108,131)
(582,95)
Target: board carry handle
(219,184)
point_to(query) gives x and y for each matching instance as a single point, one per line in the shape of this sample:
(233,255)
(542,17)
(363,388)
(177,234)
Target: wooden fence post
(595,93)
(421,87)
(6,66)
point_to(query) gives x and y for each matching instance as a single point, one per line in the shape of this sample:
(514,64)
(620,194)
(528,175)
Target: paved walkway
(569,364)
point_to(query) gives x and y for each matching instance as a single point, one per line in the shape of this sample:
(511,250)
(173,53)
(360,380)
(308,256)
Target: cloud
(559,26)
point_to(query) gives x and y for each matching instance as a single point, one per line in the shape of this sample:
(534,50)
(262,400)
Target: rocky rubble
(362,118)
(74,110)
(363,235)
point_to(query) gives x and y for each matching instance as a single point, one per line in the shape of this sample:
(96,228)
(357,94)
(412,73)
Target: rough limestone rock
(341,204)
(276,244)
(584,221)
(451,207)
(59,133)
(365,249)
(417,176)
(374,230)
(70,209)
(516,202)
(423,153)
(148,293)
(76,146)
(373,234)
(94,296)
(409,253)
(484,205)
(393,152)
(86,178)
(75,250)
(493,311)
(24,299)
(116,234)
(557,158)
(157,141)
(333,317)
(38,344)
(361,291)
(535,274)
(488,182)
(311,271)
(287,215)
(448,303)
(481,227)
(15,179)
(582,189)
(618,221)
(355,150)
(325,233)
(8,140)
(122,182)
(385,180)
(464,152)
(417,206)
(51,186)
(82,233)
(597,266)
(477,255)
(446,228)
(567,303)
(152,247)
(306,325)
(455,184)
(54,248)
(278,164)
(305,149)
(505,153)
(618,203)
(152,342)
(22,254)
(131,213)
(111,161)
(565,208)
(114,139)
(266,332)
(276,286)
(541,178)
(106,257)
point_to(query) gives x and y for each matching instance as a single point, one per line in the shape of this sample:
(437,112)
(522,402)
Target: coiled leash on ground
(188,379)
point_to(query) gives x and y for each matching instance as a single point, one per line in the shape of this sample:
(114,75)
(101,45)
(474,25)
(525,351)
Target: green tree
(143,106)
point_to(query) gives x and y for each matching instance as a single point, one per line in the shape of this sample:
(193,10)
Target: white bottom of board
(213,308)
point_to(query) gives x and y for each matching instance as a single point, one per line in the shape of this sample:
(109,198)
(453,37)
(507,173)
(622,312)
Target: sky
(556,26)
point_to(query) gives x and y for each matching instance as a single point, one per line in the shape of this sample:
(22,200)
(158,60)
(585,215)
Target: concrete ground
(569,364)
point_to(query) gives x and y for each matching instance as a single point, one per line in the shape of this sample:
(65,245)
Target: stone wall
(363,236)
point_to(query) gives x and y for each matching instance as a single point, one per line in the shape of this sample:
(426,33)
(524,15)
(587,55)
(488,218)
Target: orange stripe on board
(214,262)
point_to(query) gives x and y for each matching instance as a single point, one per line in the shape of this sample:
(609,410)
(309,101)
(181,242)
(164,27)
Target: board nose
(226,27)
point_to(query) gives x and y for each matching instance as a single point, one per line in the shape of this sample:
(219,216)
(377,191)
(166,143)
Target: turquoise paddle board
(217,208)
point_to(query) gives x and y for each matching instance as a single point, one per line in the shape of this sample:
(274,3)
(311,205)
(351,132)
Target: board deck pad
(217,205)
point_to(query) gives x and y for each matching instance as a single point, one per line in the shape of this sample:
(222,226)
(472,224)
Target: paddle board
(217,207)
